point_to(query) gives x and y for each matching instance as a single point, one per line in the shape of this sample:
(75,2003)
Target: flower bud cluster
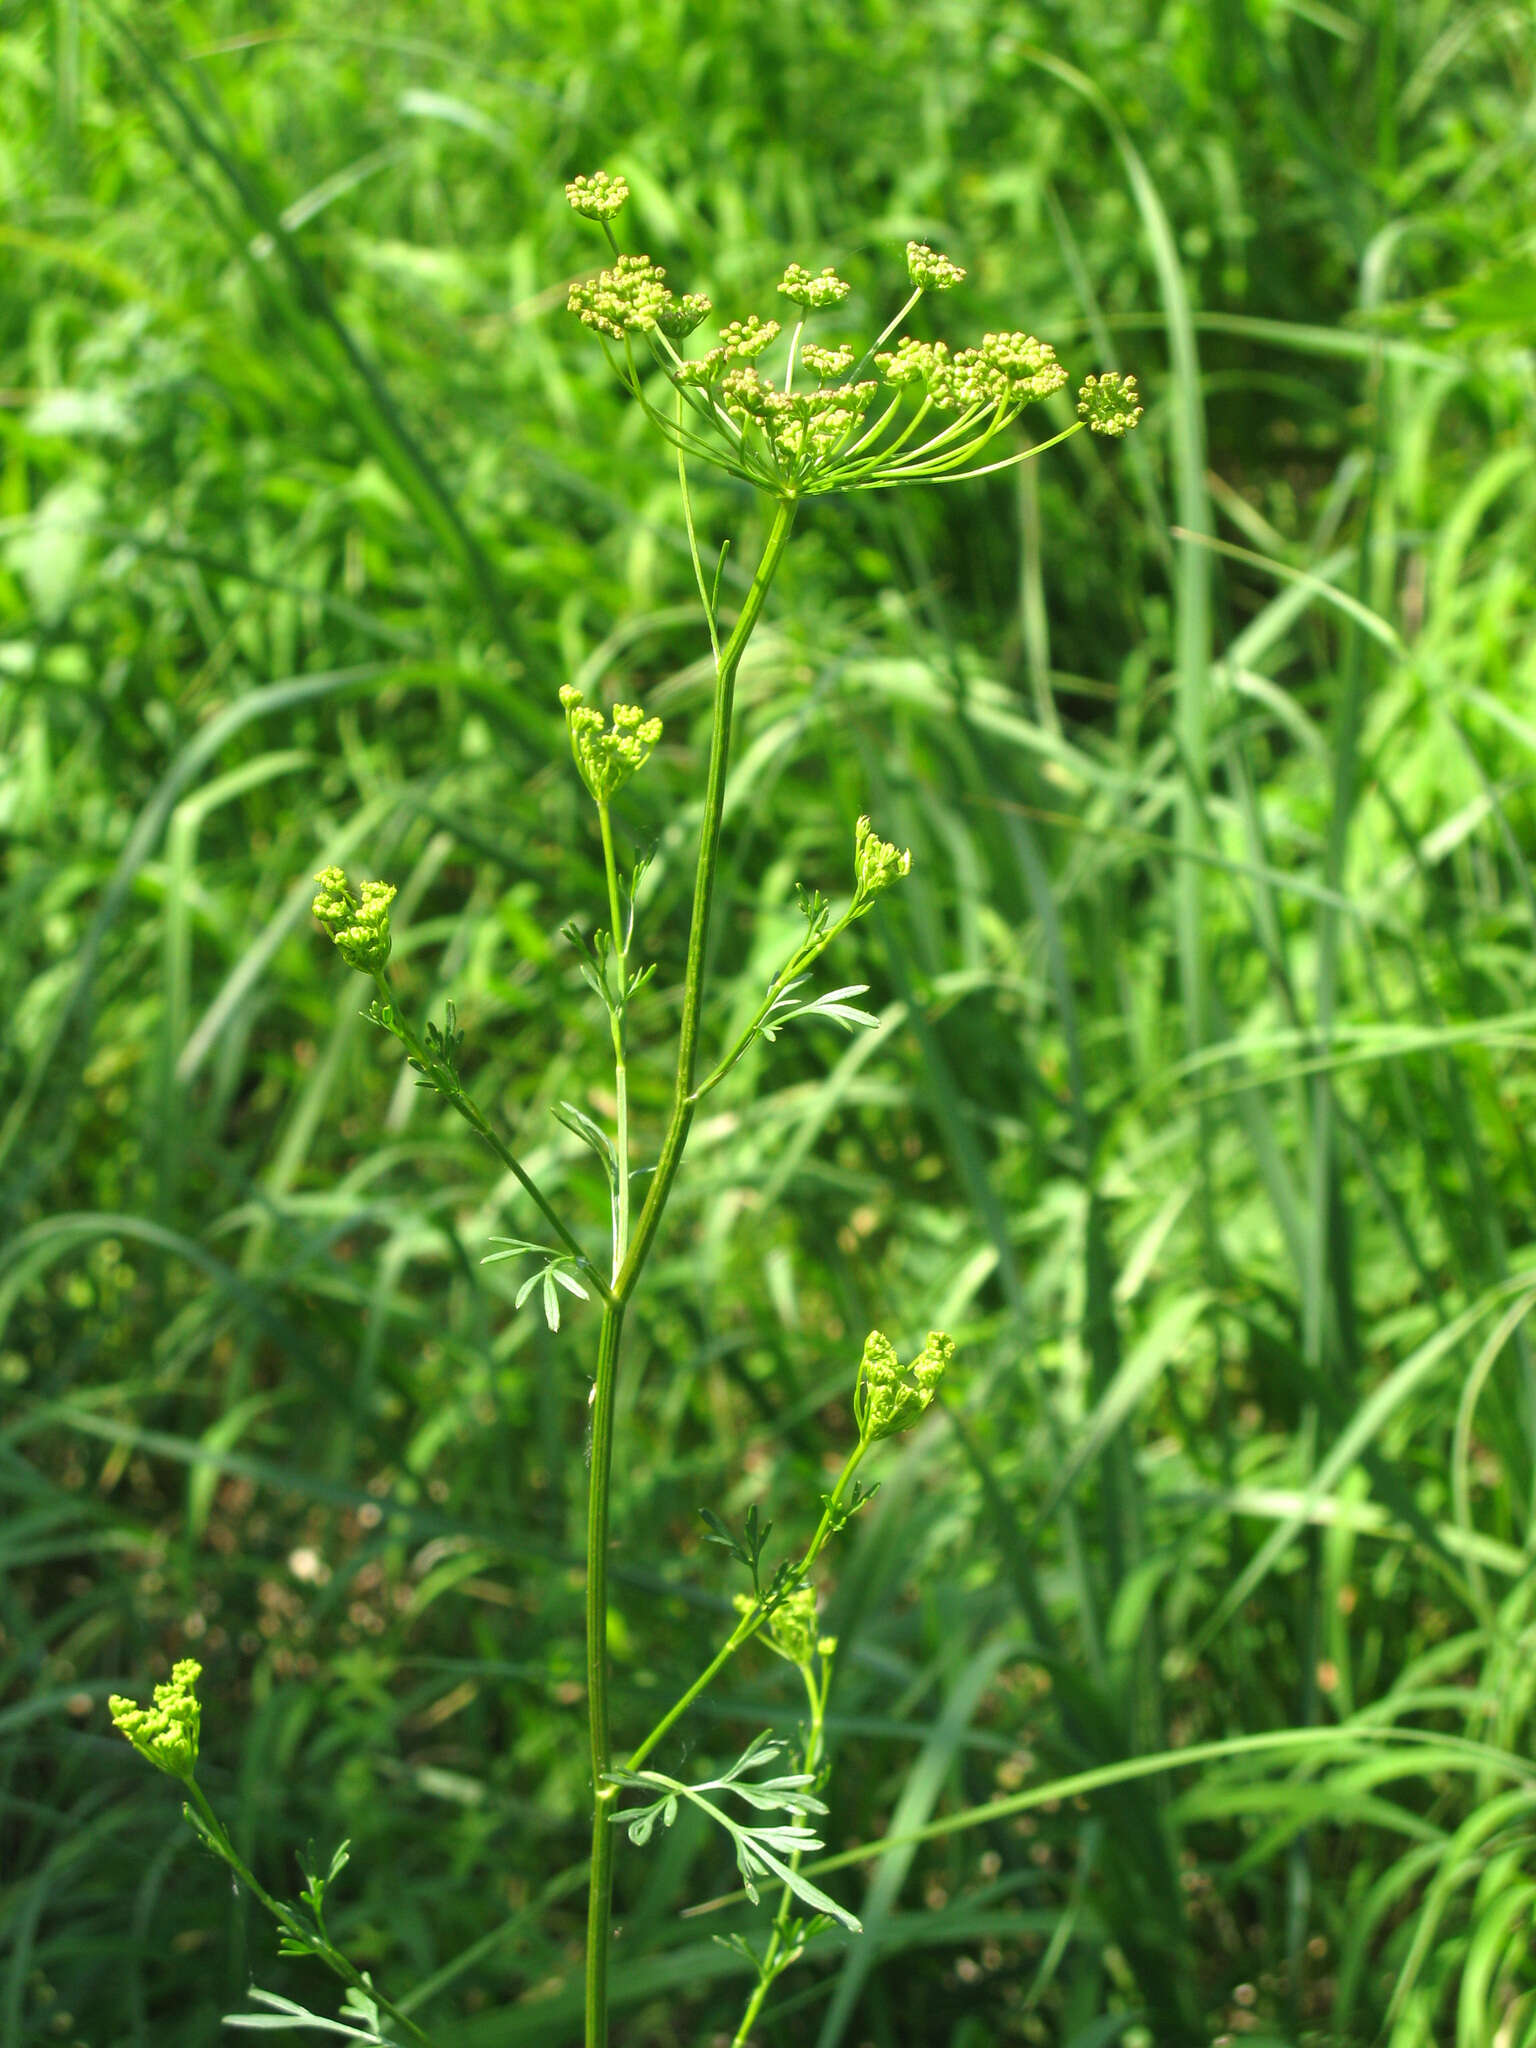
(359,929)
(930,271)
(167,1732)
(742,340)
(1006,371)
(633,296)
(876,863)
(826,362)
(889,1397)
(1110,404)
(915,362)
(679,316)
(606,759)
(791,1625)
(828,289)
(597,197)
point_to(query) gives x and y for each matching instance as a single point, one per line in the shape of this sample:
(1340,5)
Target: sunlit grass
(1200,1109)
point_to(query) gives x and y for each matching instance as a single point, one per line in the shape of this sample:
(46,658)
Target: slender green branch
(794,343)
(449,1086)
(750,1623)
(804,958)
(313,1940)
(883,336)
(705,597)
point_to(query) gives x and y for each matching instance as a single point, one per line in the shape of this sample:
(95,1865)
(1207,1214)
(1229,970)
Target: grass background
(1200,1108)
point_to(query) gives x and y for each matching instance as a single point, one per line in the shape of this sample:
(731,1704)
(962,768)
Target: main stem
(600,1884)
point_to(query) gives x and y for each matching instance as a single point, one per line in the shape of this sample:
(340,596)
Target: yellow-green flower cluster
(1006,371)
(876,863)
(633,297)
(606,757)
(889,1397)
(827,289)
(165,1733)
(597,197)
(680,315)
(1110,404)
(930,271)
(359,929)
(837,437)
(914,362)
(826,362)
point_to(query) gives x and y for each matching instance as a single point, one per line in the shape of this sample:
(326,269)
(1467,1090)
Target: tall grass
(1188,1661)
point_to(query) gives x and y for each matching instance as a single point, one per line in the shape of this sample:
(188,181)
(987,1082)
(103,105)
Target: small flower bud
(798,284)
(876,862)
(359,930)
(166,1733)
(1109,404)
(930,271)
(597,197)
(605,760)
(889,1397)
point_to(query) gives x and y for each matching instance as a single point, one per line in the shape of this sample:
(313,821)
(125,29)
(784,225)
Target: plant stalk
(600,1882)
(632,1260)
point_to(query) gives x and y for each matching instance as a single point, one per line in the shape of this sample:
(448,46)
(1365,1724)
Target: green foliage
(761,1849)
(1199,1110)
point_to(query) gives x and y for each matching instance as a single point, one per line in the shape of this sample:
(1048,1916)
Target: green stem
(884,335)
(617,1020)
(749,1624)
(616,1297)
(671,1154)
(600,1883)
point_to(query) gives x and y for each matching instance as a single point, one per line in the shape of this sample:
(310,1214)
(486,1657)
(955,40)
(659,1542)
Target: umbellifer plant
(830,417)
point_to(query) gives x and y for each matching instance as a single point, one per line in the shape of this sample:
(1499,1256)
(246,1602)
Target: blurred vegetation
(1200,1110)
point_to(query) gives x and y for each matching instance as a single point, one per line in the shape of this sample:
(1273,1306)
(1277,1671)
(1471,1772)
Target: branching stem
(628,1266)
(749,1624)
